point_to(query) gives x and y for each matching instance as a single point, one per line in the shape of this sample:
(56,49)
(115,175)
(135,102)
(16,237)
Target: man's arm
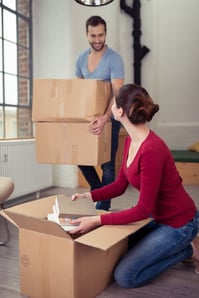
(98,123)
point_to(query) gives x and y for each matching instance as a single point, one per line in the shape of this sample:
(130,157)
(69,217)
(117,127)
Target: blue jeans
(108,168)
(152,250)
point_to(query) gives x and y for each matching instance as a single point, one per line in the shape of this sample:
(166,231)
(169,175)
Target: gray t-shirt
(110,67)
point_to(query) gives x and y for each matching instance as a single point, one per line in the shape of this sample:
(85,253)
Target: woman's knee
(123,279)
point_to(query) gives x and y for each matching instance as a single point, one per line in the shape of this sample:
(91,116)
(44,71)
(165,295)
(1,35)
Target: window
(16,69)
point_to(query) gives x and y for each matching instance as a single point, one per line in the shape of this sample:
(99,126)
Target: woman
(148,166)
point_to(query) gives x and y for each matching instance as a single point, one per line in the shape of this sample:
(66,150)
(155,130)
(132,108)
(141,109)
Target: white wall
(169,72)
(176,67)
(59,34)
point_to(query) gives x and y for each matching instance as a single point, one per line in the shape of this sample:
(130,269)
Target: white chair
(6,189)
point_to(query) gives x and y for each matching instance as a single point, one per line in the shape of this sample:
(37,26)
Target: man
(99,62)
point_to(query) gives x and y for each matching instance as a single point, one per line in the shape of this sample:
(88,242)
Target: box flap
(106,236)
(36,208)
(39,208)
(36,224)
(2,212)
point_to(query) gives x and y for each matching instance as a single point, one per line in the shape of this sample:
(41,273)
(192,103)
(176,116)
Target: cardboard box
(69,100)
(53,264)
(71,143)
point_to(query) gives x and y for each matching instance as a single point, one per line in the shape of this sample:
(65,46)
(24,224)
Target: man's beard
(97,49)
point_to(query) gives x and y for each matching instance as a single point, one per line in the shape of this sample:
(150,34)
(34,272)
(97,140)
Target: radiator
(17,161)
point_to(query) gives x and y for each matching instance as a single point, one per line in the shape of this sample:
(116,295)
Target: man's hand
(85,224)
(97,124)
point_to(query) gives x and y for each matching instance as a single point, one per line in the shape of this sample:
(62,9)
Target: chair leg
(7,232)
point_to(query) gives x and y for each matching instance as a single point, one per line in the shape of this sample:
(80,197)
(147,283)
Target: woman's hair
(95,21)
(136,103)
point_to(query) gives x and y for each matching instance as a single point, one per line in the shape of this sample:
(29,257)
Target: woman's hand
(86,195)
(85,224)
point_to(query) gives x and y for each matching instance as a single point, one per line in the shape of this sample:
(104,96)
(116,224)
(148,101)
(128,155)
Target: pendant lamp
(94,2)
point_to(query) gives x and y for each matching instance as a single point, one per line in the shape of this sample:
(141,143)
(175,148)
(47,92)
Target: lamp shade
(94,2)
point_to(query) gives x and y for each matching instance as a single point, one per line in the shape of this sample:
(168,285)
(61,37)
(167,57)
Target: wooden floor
(179,281)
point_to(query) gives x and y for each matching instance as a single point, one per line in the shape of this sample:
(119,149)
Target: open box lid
(35,224)
(32,216)
(102,238)
(105,237)
(37,208)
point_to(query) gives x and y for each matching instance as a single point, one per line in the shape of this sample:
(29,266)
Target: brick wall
(24,115)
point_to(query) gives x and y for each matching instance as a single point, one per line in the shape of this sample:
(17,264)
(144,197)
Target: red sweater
(161,193)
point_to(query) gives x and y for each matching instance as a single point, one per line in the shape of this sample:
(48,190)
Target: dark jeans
(108,168)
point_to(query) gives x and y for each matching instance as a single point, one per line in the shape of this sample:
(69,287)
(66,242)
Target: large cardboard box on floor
(53,264)
(71,143)
(69,100)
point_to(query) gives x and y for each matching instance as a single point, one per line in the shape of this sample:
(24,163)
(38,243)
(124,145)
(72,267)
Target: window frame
(26,108)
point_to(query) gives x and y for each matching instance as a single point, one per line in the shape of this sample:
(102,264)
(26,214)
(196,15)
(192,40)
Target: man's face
(96,37)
